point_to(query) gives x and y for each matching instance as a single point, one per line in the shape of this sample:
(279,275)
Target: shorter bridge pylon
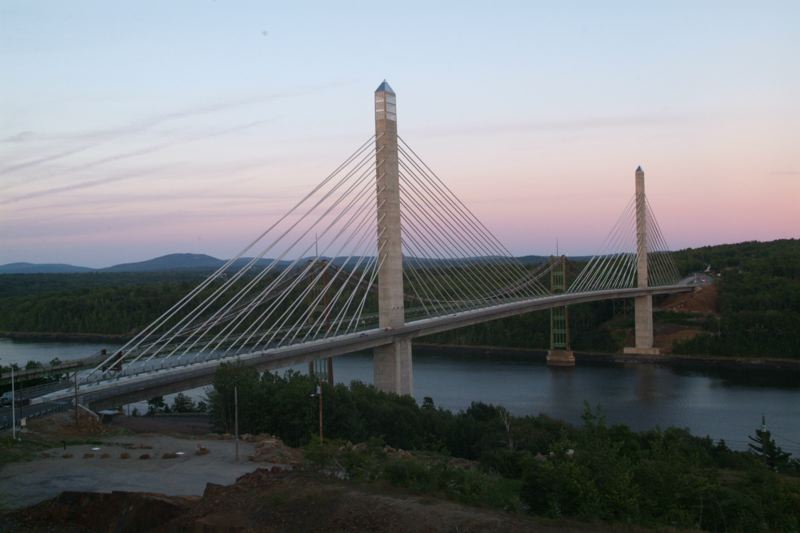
(643,305)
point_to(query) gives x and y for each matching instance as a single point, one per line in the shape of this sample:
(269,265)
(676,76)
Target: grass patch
(427,474)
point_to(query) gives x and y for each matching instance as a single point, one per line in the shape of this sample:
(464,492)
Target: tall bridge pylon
(643,305)
(392,370)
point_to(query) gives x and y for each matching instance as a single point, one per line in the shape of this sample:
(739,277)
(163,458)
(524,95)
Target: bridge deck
(146,385)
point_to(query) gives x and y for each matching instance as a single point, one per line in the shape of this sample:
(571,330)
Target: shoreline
(775,363)
(34,336)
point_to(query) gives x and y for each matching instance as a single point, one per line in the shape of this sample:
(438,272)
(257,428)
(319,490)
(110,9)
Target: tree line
(759,306)
(759,299)
(528,463)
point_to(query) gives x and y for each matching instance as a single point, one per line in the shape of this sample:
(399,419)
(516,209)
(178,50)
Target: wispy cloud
(100,137)
(40,160)
(625,121)
(19,137)
(81,185)
(128,155)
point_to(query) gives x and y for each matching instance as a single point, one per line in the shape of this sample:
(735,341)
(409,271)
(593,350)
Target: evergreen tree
(764,446)
(182,404)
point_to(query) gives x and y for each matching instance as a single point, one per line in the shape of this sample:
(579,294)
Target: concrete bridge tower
(643,305)
(391,363)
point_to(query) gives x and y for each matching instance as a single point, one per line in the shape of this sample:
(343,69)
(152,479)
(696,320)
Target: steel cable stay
(662,249)
(146,332)
(447,259)
(180,330)
(614,265)
(196,313)
(597,269)
(211,300)
(343,212)
(460,232)
(482,233)
(462,258)
(451,263)
(454,250)
(488,250)
(267,313)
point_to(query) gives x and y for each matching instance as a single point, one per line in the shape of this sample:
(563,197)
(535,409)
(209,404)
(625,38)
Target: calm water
(723,403)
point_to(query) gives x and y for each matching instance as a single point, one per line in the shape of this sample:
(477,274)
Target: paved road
(698,279)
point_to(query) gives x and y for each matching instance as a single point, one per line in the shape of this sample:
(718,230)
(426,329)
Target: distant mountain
(199,262)
(43,268)
(537,259)
(532,259)
(169,262)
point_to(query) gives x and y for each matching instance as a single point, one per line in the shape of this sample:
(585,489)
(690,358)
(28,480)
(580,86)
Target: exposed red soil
(271,502)
(702,300)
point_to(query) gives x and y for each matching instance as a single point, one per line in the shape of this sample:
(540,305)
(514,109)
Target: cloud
(560,125)
(80,185)
(104,136)
(132,154)
(40,160)
(19,137)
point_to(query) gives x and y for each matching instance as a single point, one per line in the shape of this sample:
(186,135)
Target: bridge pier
(392,368)
(643,305)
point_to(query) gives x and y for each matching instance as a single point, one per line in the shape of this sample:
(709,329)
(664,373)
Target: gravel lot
(26,483)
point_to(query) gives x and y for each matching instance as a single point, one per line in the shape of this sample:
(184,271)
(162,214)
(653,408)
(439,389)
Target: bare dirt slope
(702,300)
(274,502)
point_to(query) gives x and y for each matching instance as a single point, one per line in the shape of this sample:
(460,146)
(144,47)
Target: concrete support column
(643,305)
(392,363)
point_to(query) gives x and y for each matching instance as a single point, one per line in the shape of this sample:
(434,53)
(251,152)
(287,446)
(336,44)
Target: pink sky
(113,151)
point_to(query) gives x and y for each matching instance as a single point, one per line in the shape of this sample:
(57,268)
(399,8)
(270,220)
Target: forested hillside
(104,303)
(759,299)
(759,306)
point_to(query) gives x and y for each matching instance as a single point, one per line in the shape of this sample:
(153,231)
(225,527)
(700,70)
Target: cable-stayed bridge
(379,252)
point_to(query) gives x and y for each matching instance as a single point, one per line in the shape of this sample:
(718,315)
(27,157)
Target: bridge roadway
(139,387)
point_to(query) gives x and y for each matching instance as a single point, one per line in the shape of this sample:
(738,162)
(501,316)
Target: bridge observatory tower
(391,363)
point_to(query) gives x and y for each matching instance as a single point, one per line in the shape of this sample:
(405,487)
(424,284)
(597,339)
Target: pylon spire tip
(384,87)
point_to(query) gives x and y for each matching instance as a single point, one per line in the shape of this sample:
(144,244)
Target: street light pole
(236,417)
(319,394)
(77,424)
(13,407)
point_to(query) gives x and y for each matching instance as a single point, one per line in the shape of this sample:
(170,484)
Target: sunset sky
(134,129)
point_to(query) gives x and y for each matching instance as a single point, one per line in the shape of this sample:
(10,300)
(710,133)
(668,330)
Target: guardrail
(32,411)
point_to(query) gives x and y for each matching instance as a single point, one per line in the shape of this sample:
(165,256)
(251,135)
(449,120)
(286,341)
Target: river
(723,403)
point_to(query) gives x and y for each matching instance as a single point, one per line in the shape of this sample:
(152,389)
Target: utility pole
(319,395)
(13,407)
(236,418)
(76,399)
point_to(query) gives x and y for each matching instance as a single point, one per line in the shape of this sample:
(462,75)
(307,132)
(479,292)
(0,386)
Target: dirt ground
(118,463)
(192,424)
(133,482)
(277,502)
(702,300)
